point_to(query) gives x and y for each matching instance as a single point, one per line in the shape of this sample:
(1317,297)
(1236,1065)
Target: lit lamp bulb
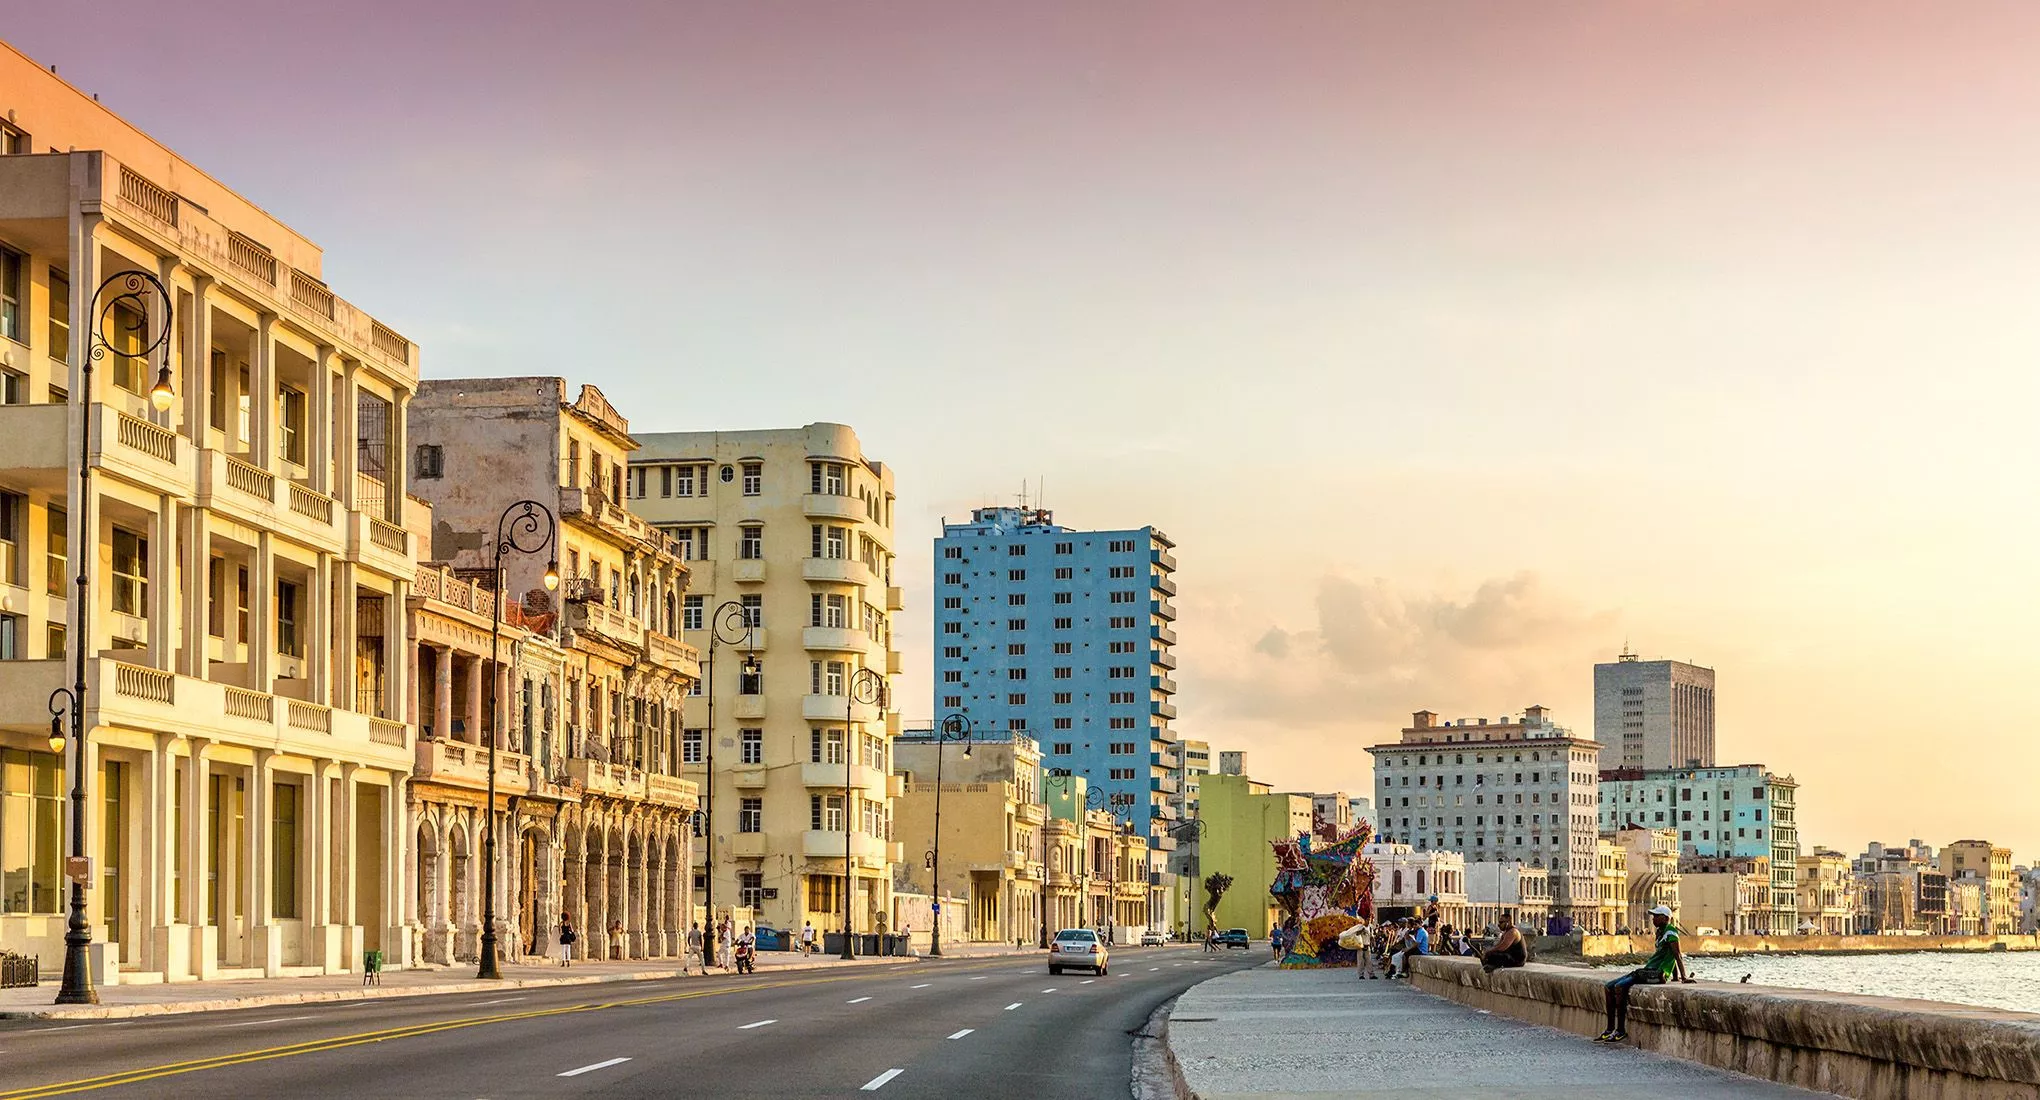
(56,734)
(161,395)
(552,576)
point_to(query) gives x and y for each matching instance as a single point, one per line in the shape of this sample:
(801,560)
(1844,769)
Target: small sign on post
(79,870)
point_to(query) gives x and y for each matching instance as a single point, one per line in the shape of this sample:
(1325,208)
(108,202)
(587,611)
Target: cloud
(1378,652)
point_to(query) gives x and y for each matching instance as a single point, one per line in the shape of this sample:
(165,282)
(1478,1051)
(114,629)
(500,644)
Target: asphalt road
(978,1028)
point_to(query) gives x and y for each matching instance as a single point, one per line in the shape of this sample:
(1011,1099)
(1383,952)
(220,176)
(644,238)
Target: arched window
(1420,880)
(633,595)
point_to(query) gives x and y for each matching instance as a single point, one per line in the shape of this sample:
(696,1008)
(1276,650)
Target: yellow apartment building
(1991,866)
(593,816)
(248,554)
(1826,886)
(792,530)
(991,828)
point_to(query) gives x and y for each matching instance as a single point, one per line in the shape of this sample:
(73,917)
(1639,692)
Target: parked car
(1080,948)
(1152,938)
(1234,937)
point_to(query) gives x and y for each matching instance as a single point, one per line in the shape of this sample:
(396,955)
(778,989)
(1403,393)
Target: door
(368,865)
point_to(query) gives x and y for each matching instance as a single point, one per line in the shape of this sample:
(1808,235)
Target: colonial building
(1827,901)
(247,555)
(592,816)
(1729,894)
(1495,888)
(1610,911)
(793,529)
(1406,879)
(1744,811)
(1653,866)
(1991,866)
(991,828)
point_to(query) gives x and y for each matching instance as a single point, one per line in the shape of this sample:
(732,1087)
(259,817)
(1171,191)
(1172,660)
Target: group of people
(723,947)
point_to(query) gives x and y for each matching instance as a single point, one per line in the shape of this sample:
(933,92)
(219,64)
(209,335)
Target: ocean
(2009,980)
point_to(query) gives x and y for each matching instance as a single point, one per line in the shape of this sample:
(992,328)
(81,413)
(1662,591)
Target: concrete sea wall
(1607,947)
(1868,1047)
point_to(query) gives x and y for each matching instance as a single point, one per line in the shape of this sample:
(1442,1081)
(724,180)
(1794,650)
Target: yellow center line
(314,1046)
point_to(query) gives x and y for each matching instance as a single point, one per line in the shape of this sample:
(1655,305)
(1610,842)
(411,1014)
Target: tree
(1215,885)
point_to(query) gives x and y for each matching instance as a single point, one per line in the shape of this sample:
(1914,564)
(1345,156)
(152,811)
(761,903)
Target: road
(945,1028)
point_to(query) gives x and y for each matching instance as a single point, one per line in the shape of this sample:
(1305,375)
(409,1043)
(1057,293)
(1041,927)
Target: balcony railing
(253,259)
(310,504)
(310,717)
(140,435)
(149,684)
(250,479)
(386,340)
(311,294)
(147,197)
(387,535)
(251,705)
(382,731)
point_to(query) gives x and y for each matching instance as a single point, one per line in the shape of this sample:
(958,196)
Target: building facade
(1991,866)
(1743,811)
(792,530)
(1827,901)
(246,557)
(593,817)
(1406,879)
(1196,764)
(1496,888)
(1652,857)
(1242,818)
(1512,790)
(1232,762)
(1066,636)
(992,818)
(1654,714)
(1729,894)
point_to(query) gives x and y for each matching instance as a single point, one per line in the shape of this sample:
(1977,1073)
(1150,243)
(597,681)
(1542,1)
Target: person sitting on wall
(1665,964)
(1509,949)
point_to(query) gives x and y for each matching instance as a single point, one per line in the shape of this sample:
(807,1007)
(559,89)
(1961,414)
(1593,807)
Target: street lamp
(133,291)
(956,727)
(1095,799)
(525,527)
(731,624)
(1063,781)
(867,686)
(1190,832)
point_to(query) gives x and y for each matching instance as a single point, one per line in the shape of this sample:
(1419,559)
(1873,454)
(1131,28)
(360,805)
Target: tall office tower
(791,531)
(1654,714)
(1065,635)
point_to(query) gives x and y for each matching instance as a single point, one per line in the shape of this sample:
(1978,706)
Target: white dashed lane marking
(277,1020)
(923,985)
(761,1023)
(964,1032)
(1014,1005)
(879,1081)
(592,1068)
(856,1000)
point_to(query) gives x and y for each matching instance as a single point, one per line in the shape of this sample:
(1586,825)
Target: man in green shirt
(1665,964)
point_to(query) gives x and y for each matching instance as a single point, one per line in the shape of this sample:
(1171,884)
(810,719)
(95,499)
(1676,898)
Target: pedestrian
(724,942)
(567,938)
(1210,940)
(1363,951)
(1418,942)
(807,938)
(1509,949)
(694,949)
(616,950)
(1666,963)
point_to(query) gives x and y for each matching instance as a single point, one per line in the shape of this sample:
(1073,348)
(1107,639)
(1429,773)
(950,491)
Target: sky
(1456,344)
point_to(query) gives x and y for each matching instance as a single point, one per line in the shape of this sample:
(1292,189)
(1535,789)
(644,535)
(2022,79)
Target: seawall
(1868,1047)
(1615,947)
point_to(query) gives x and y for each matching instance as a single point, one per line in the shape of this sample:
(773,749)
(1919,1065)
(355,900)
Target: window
(12,142)
(1062,698)
(825,479)
(60,317)
(751,683)
(754,610)
(1061,672)
(1016,624)
(1119,697)
(751,542)
(1122,597)
(751,815)
(53,640)
(1016,574)
(1016,599)
(952,652)
(1122,622)
(1064,573)
(691,610)
(1065,547)
(1062,648)
(690,746)
(825,812)
(829,611)
(1016,699)
(1063,723)
(1120,647)
(288,642)
(1122,723)
(290,424)
(31,832)
(952,603)
(283,861)
(130,573)
(1062,624)
(826,677)
(1120,672)
(1122,748)
(952,628)
(752,744)
(1127,773)
(952,552)
(10,296)
(952,700)
(952,578)
(827,542)
(1016,550)
(1016,674)
(754,478)
(1060,748)
(56,568)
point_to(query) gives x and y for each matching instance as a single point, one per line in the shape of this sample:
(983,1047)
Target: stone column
(477,667)
(204,945)
(396,937)
(195,381)
(318,646)
(262,399)
(442,693)
(195,605)
(322,945)
(396,658)
(164,587)
(161,945)
(344,672)
(347,443)
(319,448)
(262,615)
(265,939)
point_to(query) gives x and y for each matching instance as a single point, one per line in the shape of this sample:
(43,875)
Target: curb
(264,1000)
(1156,1073)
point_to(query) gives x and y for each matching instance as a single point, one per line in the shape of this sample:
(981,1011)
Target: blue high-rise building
(1065,635)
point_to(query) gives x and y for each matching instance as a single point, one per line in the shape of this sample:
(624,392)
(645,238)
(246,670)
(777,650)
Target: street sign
(78,869)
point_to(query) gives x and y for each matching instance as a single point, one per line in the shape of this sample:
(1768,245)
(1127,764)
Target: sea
(2004,979)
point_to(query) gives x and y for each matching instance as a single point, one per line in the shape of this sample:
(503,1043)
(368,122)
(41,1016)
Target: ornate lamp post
(136,292)
(525,527)
(730,624)
(955,727)
(866,686)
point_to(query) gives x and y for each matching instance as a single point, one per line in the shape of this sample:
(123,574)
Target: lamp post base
(488,971)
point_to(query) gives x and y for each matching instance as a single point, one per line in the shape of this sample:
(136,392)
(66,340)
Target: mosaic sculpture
(1323,886)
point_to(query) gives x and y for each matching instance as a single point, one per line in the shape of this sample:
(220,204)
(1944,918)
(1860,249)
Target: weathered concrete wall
(1870,1047)
(1604,947)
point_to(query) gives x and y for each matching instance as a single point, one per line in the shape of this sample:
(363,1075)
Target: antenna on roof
(1627,653)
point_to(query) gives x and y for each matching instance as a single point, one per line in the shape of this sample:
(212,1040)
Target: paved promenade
(148,1000)
(1289,1033)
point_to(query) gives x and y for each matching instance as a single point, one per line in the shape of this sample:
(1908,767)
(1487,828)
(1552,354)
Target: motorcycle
(746,963)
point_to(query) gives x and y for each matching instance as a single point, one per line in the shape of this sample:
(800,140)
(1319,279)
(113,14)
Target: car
(1078,949)
(1234,937)
(1152,938)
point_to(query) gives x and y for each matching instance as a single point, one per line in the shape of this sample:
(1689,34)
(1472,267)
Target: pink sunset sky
(1455,343)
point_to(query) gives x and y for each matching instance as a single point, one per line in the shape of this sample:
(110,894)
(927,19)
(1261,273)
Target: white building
(1511,790)
(1495,887)
(1406,879)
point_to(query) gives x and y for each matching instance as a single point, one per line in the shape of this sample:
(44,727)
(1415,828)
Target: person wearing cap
(1665,964)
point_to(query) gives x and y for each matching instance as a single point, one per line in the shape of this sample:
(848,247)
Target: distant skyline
(1454,343)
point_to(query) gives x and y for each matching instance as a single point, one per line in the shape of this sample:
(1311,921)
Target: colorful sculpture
(1323,886)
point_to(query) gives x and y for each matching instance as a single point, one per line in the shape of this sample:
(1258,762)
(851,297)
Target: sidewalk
(1290,1033)
(157,999)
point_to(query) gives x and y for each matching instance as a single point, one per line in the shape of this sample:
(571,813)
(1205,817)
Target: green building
(1242,817)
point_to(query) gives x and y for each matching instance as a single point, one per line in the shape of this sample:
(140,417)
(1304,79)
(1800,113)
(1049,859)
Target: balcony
(1163,657)
(384,547)
(748,571)
(829,777)
(700,575)
(594,617)
(1162,683)
(1162,710)
(462,764)
(139,451)
(832,708)
(749,706)
(837,571)
(1162,634)
(893,663)
(1165,610)
(1168,758)
(35,445)
(747,778)
(1162,583)
(866,850)
(826,506)
(747,845)
(1164,559)
(676,655)
(1164,783)
(834,638)
(624,781)
(140,698)
(248,494)
(895,600)
(1030,813)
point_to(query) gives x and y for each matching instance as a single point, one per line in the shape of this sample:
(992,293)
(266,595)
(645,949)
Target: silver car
(1078,948)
